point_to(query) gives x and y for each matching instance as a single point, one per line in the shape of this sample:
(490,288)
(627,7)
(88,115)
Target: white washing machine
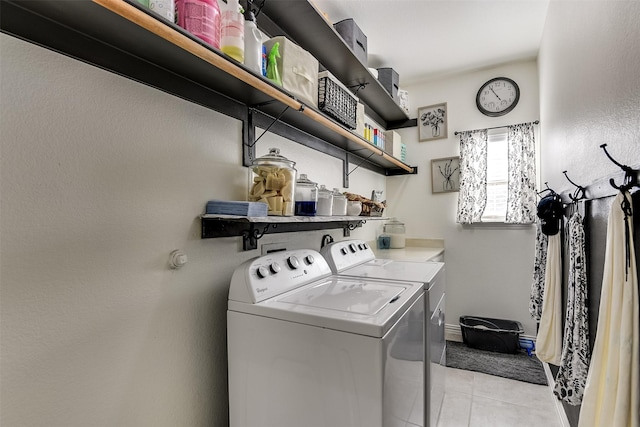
(355,258)
(307,348)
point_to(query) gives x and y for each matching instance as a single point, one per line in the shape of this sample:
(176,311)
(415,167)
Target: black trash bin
(490,334)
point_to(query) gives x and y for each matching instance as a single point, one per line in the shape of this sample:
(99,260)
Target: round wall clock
(497,97)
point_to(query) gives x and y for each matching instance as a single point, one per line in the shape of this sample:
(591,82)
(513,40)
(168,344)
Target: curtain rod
(496,127)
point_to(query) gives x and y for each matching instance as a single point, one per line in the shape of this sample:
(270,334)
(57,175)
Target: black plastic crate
(490,334)
(336,101)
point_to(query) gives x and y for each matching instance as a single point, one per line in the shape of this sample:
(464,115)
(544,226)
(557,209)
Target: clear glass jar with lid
(339,203)
(272,180)
(396,232)
(325,202)
(306,198)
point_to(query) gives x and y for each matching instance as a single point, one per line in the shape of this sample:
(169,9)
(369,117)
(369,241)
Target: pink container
(201,18)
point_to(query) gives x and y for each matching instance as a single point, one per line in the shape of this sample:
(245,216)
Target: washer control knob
(365,246)
(262,272)
(309,259)
(275,268)
(352,247)
(343,251)
(293,262)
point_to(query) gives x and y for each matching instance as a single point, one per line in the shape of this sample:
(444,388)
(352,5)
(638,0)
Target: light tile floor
(473,399)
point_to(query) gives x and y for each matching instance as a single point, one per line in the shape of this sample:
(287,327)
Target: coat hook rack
(544,190)
(630,174)
(579,193)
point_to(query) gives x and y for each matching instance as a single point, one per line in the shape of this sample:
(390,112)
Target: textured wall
(488,267)
(101,178)
(589,89)
(590,95)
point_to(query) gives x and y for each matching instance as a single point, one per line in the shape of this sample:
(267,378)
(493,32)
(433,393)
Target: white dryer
(309,348)
(355,258)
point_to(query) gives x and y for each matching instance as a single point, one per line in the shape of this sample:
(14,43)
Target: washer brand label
(259,290)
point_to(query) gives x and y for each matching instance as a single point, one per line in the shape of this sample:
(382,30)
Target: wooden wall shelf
(125,38)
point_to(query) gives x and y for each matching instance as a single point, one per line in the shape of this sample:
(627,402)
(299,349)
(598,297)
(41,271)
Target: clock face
(497,96)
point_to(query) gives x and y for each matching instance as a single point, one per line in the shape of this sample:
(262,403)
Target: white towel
(549,339)
(611,395)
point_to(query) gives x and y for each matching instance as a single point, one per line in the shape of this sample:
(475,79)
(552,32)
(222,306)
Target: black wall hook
(630,174)
(579,193)
(544,190)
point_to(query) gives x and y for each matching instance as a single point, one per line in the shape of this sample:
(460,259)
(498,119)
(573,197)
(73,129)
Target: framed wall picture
(445,175)
(432,122)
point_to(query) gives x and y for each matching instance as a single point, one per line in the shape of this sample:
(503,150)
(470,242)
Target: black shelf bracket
(252,231)
(256,118)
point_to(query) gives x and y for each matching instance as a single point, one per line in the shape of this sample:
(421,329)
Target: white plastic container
(164,8)
(354,207)
(325,202)
(339,203)
(252,41)
(396,232)
(232,31)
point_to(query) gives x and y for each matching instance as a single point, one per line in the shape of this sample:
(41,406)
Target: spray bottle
(252,41)
(272,64)
(232,31)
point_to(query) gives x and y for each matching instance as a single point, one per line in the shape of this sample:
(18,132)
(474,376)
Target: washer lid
(360,297)
(361,306)
(379,268)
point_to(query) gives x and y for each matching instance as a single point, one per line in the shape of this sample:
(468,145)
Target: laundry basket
(335,100)
(485,333)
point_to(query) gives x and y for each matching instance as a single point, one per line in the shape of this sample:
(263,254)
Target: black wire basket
(336,101)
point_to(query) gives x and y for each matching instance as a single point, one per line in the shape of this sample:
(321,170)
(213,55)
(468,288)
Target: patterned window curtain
(521,198)
(472,197)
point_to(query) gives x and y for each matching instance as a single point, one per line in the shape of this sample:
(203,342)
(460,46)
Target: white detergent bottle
(252,41)
(232,31)
(164,8)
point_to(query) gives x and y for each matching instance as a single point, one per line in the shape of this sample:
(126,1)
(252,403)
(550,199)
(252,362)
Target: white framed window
(497,175)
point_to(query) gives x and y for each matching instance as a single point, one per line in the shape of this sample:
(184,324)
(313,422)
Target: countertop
(415,250)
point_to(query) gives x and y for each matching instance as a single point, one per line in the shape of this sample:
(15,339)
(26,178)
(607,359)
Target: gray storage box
(389,79)
(354,37)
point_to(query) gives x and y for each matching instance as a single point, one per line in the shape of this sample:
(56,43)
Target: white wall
(101,178)
(589,95)
(589,89)
(489,268)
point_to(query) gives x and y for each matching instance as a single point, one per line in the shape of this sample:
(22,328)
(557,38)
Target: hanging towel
(574,363)
(549,339)
(537,285)
(611,394)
